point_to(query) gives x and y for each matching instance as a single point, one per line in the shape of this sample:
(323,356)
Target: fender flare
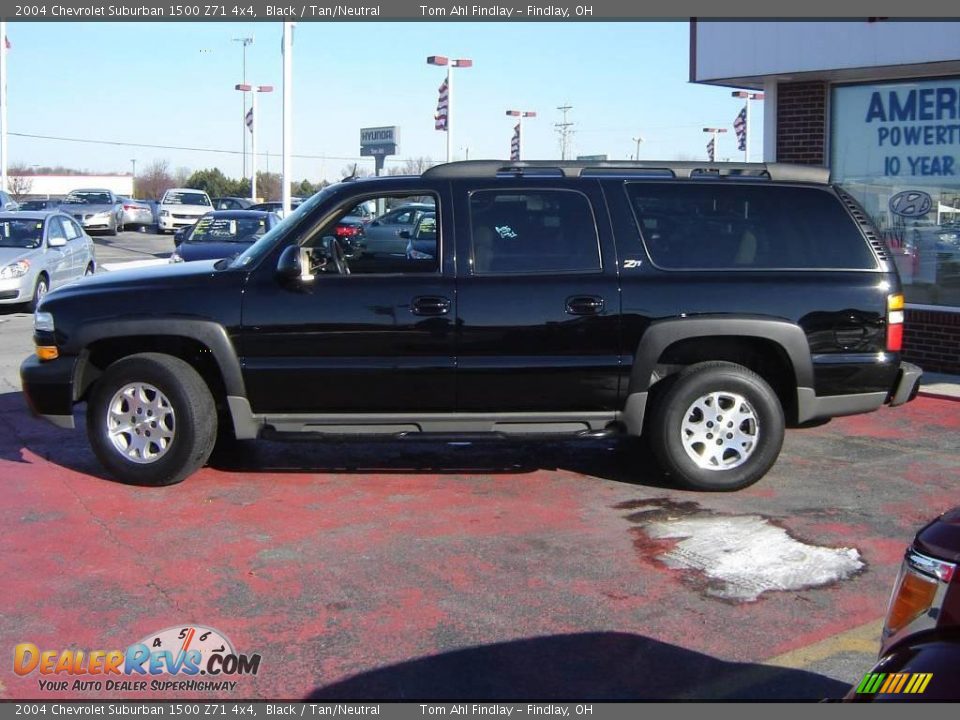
(210,334)
(663,333)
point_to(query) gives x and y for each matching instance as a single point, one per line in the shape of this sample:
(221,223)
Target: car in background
(94,208)
(275,206)
(136,213)
(40,251)
(222,233)
(920,644)
(422,240)
(7,203)
(39,205)
(383,232)
(181,206)
(232,203)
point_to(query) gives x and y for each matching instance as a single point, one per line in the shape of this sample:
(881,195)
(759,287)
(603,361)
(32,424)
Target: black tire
(112,231)
(90,270)
(192,429)
(738,461)
(39,290)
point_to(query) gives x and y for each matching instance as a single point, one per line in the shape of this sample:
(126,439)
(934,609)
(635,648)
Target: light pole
(286,163)
(245,41)
(133,185)
(450,65)
(253,90)
(520,115)
(3,106)
(638,139)
(747,97)
(713,142)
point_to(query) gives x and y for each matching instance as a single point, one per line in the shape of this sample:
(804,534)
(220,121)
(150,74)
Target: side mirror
(405,234)
(55,242)
(289,266)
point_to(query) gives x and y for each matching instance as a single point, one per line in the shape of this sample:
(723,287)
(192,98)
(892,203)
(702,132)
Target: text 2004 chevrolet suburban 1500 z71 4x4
(705,306)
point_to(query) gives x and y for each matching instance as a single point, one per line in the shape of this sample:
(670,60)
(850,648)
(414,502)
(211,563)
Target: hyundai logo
(911,204)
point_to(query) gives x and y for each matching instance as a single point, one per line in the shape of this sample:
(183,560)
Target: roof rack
(781,172)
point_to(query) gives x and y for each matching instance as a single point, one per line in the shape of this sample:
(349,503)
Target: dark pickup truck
(705,306)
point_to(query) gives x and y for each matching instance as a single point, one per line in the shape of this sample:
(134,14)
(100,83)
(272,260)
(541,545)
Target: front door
(377,340)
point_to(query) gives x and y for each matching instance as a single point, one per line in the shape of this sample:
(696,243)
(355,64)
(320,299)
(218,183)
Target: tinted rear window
(688,226)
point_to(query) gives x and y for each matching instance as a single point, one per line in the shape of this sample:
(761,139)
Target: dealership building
(878,102)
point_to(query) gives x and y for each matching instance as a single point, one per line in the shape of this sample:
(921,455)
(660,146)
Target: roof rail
(781,172)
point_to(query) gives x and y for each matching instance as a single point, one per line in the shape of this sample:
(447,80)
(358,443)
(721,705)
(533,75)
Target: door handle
(584,305)
(430,305)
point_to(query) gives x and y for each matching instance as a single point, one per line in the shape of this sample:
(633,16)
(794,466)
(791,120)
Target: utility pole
(563,128)
(243,117)
(133,185)
(286,163)
(3,106)
(638,139)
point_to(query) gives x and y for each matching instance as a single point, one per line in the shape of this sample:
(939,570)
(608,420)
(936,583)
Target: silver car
(40,251)
(95,209)
(135,213)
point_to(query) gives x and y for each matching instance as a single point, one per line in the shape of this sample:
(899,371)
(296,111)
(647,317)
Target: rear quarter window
(687,226)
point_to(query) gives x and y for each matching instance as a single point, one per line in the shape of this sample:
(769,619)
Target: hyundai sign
(379,141)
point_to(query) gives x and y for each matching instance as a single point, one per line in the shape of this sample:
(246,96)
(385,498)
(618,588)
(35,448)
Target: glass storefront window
(896,147)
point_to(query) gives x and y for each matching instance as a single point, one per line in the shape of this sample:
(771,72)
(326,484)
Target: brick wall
(802,123)
(931,339)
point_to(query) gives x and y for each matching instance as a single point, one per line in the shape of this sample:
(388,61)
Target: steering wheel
(340,258)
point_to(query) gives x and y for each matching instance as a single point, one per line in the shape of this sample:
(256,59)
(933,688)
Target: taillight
(346,230)
(915,593)
(895,322)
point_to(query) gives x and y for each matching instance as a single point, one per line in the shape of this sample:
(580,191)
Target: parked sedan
(181,206)
(136,213)
(383,233)
(222,233)
(232,203)
(920,645)
(422,241)
(95,209)
(40,251)
(39,204)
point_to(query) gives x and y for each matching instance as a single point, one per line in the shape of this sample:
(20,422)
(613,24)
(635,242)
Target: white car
(180,207)
(40,251)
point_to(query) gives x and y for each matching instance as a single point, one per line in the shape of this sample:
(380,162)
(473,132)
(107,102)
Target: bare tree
(154,180)
(181,175)
(19,181)
(355,170)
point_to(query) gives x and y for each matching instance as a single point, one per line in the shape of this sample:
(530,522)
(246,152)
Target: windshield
(26,234)
(85,197)
(259,249)
(238,230)
(186,198)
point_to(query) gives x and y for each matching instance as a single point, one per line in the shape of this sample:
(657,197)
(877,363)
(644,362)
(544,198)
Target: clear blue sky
(172,84)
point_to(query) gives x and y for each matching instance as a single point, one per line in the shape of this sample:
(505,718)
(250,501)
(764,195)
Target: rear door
(537,297)
(59,260)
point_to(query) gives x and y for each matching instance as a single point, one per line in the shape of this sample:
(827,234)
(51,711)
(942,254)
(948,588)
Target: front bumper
(48,388)
(173,223)
(16,290)
(907,385)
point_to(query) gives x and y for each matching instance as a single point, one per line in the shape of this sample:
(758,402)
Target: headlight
(164,213)
(918,592)
(15,270)
(175,258)
(43,322)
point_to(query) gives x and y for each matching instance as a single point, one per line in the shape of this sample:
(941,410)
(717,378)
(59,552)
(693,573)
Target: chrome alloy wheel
(141,423)
(720,431)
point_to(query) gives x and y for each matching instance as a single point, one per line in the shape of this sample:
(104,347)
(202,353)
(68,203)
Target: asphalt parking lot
(424,570)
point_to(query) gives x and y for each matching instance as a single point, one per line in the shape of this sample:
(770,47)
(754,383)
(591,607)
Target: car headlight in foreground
(15,270)
(918,593)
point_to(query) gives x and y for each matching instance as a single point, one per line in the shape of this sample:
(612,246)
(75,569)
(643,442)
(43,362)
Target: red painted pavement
(378,569)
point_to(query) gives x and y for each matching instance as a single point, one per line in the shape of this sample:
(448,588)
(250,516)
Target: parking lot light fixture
(520,115)
(444,61)
(747,97)
(713,143)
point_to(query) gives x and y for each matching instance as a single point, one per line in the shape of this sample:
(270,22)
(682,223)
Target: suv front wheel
(718,427)
(151,419)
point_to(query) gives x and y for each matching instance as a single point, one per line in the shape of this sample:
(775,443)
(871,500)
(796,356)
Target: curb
(938,395)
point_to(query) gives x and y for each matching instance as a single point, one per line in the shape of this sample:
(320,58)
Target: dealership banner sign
(897,131)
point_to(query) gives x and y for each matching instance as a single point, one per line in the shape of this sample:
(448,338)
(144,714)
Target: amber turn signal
(47,352)
(912,597)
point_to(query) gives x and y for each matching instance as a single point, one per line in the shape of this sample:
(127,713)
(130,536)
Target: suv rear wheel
(151,419)
(718,427)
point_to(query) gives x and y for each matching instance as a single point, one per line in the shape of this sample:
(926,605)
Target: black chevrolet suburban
(706,306)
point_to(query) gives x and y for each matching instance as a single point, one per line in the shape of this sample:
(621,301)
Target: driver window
(354,243)
(56,229)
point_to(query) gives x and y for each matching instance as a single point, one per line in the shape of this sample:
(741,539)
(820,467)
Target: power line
(120,143)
